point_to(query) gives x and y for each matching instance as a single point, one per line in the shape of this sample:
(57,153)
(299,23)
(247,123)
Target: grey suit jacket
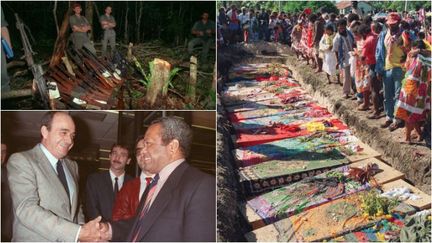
(40,203)
(183,210)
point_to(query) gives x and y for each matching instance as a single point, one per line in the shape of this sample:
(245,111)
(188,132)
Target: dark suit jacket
(183,210)
(100,195)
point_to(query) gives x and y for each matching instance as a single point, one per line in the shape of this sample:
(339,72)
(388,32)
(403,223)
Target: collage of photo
(216,121)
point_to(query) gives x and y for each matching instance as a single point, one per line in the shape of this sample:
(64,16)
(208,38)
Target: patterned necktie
(62,177)
(116,187)
(145,199)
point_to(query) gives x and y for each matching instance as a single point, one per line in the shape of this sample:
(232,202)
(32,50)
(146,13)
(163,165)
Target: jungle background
(156,29)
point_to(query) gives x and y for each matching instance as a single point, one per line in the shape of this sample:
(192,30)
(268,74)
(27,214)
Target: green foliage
(374,205)
(287,6)
(400,5)
(172,74)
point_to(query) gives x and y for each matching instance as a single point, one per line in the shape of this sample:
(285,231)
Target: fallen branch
(177,93)
(20,73)
(16,94)
(15,63)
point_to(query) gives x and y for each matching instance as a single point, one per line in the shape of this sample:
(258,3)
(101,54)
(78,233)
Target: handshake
(95,230)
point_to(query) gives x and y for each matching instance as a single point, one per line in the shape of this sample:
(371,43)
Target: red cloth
(127,200)
(369,48)
(310,36)
(251,137)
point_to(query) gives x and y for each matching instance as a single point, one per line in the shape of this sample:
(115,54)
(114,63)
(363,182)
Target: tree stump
(191,93)
(129,55)
(159,78)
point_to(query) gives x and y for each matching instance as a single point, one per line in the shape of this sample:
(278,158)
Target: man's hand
(106,232)
(91,230)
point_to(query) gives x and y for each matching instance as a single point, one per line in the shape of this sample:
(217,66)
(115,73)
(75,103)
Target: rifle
(36,69)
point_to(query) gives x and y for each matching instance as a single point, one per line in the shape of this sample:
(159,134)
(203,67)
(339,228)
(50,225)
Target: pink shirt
(369,48)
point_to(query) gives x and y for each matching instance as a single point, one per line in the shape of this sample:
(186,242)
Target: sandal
(374,116)
(363,108)
(394,126)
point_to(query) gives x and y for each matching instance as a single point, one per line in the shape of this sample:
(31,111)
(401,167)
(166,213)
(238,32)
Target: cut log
(193,79)
(16,94)
(129,55)
(15,63)
(68,65)
(61,42)
(159,77)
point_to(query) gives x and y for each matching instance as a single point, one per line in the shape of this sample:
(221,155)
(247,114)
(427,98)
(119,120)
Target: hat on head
(393,18)
(307,11)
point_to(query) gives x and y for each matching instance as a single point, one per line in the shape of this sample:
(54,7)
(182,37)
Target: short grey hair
(175,128)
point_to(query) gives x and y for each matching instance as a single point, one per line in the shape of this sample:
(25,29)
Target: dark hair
(353,17)
(376,27)
(421,35)
(329,27)
(364,29)
(49,117)
(313,18)
(121,145)
(175,128)
(341,22)
(333,16)
(367,20)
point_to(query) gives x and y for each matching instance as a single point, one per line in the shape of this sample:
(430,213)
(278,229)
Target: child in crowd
(342,45)
(326,53)
(296,36)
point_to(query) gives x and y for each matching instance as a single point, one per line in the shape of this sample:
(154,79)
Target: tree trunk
(55,16)
(138,29)
(61,41)
(193,79)
(214,82)
(89,16)
(126,34)
(159,78)
(96,9)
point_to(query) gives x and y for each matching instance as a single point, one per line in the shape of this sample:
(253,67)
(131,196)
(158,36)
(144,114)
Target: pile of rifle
(92,85)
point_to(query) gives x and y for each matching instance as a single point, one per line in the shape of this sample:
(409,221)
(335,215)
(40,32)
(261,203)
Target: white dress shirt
(120,179)
(163,177)
(143,182)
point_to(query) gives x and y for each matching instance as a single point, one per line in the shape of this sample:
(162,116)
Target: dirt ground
(413,160)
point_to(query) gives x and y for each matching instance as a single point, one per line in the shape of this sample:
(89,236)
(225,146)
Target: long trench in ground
(412,160)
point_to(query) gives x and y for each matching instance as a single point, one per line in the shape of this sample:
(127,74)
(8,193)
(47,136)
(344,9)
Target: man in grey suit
(180,202)
(44,188)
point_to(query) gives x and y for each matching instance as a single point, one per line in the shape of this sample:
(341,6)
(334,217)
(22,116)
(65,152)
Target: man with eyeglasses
(130,195)
(180,202)
(102,187)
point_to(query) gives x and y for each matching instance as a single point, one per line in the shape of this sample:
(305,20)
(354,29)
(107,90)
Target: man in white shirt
(44,188)
(180,202)
(102,187)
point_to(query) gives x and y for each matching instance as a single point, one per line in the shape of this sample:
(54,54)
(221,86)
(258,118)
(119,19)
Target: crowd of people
(381,59)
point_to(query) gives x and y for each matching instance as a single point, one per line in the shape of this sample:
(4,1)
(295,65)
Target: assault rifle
(36,69)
